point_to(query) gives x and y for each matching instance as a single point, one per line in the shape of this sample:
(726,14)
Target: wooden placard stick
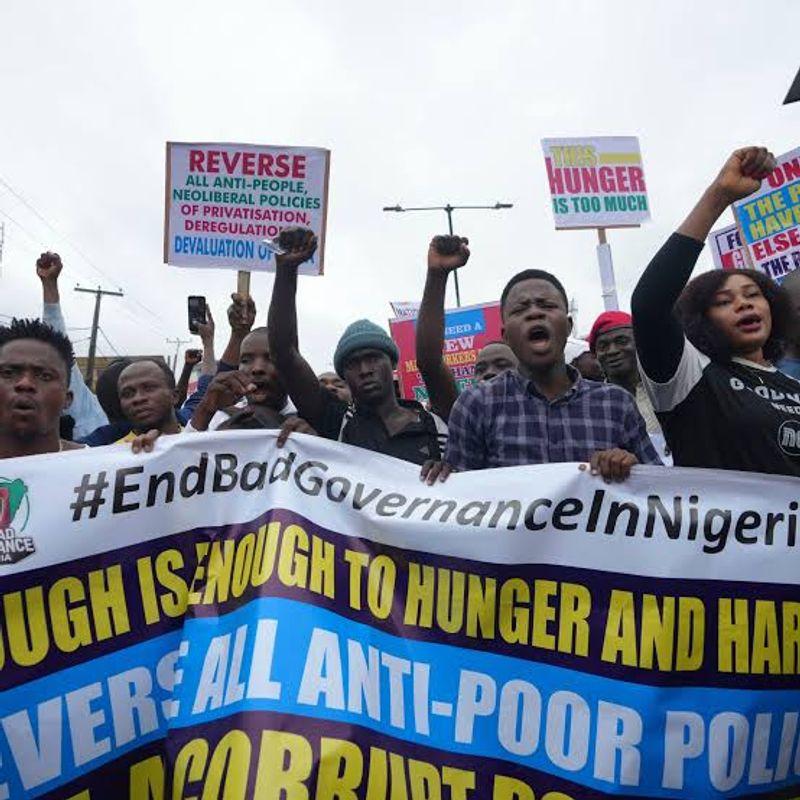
(243,282)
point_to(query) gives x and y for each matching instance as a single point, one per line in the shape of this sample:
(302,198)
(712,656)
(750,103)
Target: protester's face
(536,323)
(33,388)
(742,313)
(369,375)
(145,395)
(589,367)
(616,352)
(336,386)
(255,362)
(494,359)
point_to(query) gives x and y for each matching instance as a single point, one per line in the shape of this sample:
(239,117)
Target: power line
(55,230)
(68,240)
(108,341)
(98,296)
(177,342)
(40,246)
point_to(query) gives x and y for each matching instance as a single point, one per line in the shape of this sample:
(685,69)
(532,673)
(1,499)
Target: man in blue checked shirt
(544,411)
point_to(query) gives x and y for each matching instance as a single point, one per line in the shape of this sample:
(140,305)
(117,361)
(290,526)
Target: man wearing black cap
(365,358)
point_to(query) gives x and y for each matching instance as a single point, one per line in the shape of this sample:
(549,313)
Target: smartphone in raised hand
(197,312)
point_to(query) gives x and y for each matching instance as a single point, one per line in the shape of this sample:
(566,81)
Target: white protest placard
(726,248)
(769,220)
(596,182)
(223,200)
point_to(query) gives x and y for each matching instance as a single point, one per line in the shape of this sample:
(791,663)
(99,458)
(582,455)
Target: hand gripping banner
(225,619)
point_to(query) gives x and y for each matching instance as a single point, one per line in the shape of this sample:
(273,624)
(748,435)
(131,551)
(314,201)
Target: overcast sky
(420,103)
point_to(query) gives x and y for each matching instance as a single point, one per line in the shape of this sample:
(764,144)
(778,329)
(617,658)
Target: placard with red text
(224,200)
(596,182)
(727,249)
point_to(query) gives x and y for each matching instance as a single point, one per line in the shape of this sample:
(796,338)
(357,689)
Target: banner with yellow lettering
(225,619)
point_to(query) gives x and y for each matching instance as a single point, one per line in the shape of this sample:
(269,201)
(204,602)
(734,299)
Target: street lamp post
(449,209)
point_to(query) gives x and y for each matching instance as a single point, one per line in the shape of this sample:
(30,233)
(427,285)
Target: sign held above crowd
(769,219)
(597,182)
(726,248)
(466,331)
(226,203)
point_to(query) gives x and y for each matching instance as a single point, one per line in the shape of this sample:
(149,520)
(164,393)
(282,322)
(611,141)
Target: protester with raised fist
(543,412)
(708,362)
(365,358)
(445,255)
(85,408)
(241,318)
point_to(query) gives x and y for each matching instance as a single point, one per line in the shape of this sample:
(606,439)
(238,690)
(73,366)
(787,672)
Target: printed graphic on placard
(224,200)
(596,182)
(769,220)
(726,248)
(466,331)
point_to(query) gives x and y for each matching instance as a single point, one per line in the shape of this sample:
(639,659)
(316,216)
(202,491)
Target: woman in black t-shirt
(720,400)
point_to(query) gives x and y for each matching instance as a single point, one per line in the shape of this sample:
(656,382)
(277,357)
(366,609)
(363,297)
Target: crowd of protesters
(702,373)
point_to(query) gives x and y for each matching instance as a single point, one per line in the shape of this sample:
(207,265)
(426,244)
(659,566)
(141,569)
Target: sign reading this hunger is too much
(596,182)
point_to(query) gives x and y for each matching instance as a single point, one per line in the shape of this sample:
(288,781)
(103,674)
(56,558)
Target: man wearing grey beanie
(365,359)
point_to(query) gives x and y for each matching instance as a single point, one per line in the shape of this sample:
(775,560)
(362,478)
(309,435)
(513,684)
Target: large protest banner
(769,220)
(224,619)
(726,248)
(466,331)
(596,182)
(223,200)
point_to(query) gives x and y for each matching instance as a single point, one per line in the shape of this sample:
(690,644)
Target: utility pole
(98,296)
(449,209)
(2,241)
(177,343)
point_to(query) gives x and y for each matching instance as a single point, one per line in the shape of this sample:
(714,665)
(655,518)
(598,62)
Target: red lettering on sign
(636,175)
(230,163)
(196,158)
(212,161)
(282,166)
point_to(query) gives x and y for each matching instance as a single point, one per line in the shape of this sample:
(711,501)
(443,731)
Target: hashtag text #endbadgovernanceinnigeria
(676,517)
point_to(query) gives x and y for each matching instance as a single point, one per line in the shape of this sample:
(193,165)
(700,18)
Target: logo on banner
(14,514)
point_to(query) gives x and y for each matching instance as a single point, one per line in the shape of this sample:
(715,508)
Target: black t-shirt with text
(734,415)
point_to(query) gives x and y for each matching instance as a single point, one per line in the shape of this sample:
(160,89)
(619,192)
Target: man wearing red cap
(611,340)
